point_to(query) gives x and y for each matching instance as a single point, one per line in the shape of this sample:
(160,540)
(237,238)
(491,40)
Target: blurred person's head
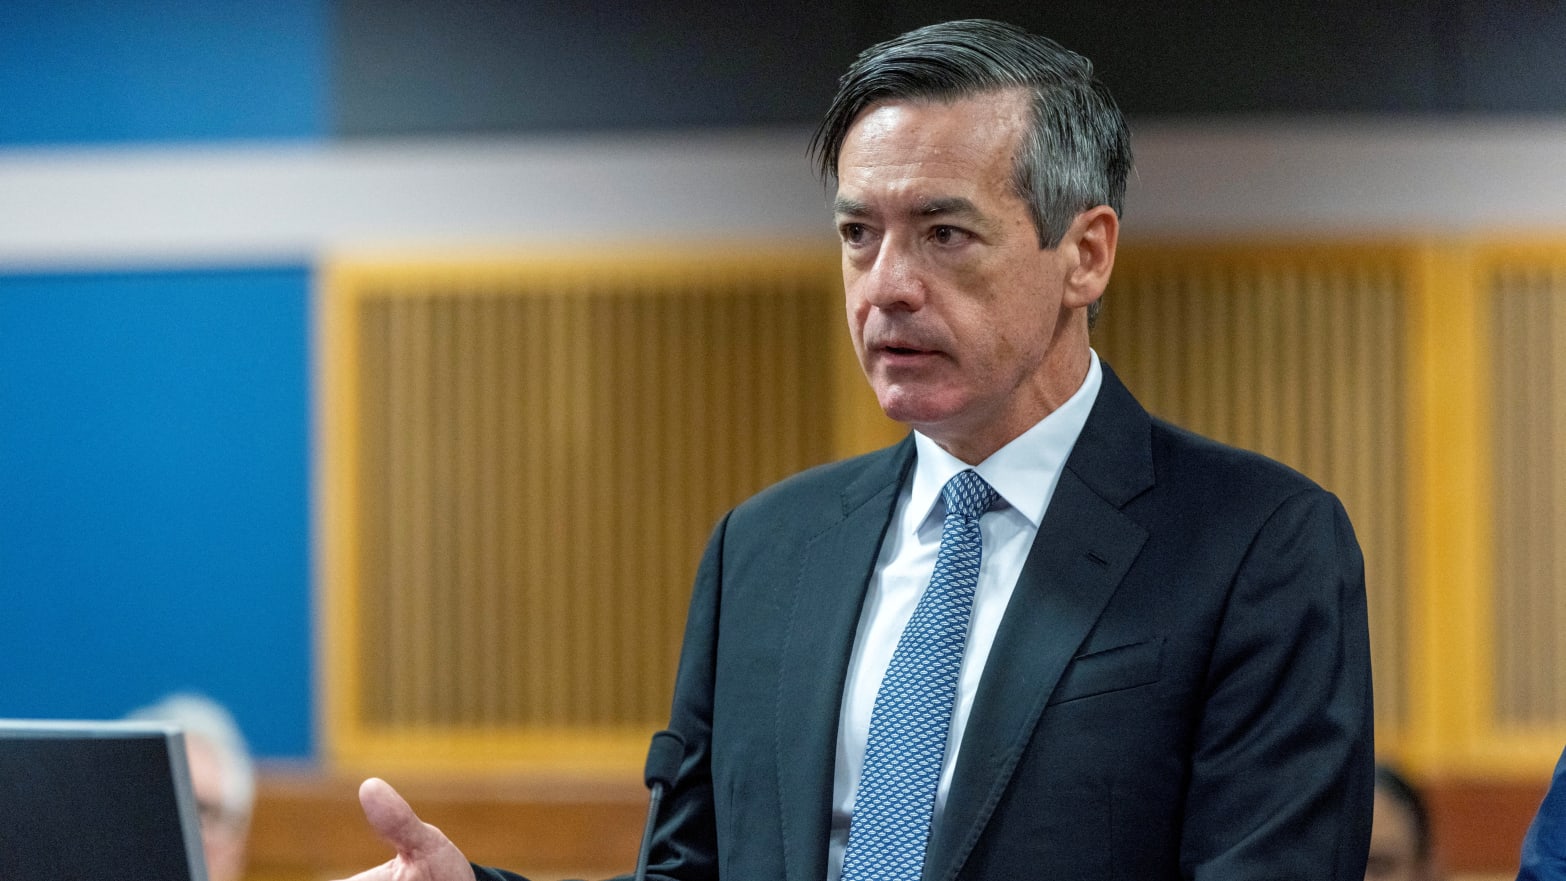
(1400,842)
(221,773)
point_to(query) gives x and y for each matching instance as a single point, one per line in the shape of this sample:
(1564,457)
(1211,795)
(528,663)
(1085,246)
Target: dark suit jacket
(1180,687)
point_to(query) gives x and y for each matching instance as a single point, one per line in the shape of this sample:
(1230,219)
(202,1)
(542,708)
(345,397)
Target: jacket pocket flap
(1113,669)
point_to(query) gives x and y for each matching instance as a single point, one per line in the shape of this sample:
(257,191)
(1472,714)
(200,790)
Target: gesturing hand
(424,853)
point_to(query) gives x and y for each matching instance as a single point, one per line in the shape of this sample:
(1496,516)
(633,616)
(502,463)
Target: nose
(893,281)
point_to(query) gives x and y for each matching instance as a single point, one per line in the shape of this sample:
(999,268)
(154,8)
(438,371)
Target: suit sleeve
(685,844)
(1283,766)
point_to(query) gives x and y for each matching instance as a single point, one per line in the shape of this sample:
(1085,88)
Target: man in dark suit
(1047,636)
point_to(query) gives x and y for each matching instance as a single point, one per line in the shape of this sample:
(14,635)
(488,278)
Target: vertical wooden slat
(534,627)
(551,512)
(415,668)
(1382,320)
(1538,459)
(1542,672)
(375,549)
(506,629)
(464,633)
(692,407)
(1553,596)
(1512,466)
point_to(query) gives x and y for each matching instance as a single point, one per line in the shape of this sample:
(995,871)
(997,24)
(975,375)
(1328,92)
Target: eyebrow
(947,205)
(843,206)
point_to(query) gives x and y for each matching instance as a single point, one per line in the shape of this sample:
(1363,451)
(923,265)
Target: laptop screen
(95,800)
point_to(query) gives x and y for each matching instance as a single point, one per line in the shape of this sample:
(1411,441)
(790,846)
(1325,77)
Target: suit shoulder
(1211,495)
(822,492)
(1225,474)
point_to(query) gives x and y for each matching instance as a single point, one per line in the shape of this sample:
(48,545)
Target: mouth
(897,340)
(902,352)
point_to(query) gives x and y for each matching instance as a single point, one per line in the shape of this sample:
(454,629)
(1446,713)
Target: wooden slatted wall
(1528,387)
(521,461)
(529,457)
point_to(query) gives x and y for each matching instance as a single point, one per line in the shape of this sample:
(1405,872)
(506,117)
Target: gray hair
(203,718)
(1076,154)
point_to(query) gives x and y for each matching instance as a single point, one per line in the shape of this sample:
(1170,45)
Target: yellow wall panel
(524,461)
(521,458)
(1527,294)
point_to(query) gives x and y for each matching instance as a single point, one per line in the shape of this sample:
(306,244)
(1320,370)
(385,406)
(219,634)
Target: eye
(852,233)
(949,235)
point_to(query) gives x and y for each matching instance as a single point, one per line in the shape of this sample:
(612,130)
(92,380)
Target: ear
(1091,239)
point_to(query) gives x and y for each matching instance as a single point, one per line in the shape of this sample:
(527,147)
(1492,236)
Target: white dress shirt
(1024,473)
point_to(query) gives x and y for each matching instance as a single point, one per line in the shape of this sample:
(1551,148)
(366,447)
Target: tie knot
(967,494)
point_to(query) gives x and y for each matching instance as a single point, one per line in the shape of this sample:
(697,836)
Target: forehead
(910,143)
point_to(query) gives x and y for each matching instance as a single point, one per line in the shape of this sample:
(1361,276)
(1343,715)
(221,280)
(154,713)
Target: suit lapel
(1084,547)
(828,594)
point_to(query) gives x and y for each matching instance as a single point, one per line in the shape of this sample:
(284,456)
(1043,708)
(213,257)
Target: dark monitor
(86,801)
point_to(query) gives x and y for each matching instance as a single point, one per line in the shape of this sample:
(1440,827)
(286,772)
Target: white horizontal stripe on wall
(1353,177)
(289,202)
(283,202)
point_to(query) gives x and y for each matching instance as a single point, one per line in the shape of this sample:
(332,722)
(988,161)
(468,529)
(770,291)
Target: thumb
(395,822)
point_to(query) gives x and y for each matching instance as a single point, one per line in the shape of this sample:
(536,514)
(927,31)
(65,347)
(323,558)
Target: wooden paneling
(521,460)
(1528,306)
(308,826)
(526,460)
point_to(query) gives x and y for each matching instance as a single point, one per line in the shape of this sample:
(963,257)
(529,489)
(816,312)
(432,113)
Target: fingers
(393,820)
(424,853)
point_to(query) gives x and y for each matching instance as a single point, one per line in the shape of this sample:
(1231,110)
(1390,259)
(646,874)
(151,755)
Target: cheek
(1004,350)
(1027,325)
(857,312)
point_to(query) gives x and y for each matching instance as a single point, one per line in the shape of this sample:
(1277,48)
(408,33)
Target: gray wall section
(445,66)
(490,66)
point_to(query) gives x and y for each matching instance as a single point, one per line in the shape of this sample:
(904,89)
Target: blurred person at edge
(221,773)
(1544,848)
(1401,847)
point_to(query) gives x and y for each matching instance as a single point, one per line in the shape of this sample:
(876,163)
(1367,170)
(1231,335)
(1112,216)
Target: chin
(913,409)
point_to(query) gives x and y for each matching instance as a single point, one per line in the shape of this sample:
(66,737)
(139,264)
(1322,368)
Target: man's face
(955,311)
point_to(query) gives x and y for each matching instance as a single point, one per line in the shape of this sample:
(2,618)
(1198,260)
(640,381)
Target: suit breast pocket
(1108,670)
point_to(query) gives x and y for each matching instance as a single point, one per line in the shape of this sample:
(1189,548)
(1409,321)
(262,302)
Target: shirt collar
(1023,472)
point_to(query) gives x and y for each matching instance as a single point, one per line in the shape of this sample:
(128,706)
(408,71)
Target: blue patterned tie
(913,708)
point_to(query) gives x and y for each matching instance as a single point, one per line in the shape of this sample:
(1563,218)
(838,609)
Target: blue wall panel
(154,495)
(91,71)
